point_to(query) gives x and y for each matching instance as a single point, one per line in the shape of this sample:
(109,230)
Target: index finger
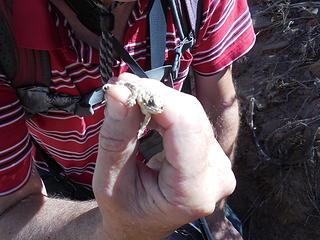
(183,122)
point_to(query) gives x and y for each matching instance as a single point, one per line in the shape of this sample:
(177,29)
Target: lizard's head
(153,104)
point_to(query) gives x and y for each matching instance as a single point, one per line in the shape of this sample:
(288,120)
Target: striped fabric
(226,34)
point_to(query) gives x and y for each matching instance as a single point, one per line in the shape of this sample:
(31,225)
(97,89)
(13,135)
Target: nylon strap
(40,65)
(194,12)
(158,30)
(105,49)
(126,57)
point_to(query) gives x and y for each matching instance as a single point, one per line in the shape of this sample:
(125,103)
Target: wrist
(112,229)
(104,230)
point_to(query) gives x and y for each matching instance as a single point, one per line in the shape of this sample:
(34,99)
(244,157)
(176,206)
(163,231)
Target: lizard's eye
(151,102)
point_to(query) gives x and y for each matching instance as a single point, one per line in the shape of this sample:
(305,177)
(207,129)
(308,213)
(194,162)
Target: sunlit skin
(151,213)
(213,91)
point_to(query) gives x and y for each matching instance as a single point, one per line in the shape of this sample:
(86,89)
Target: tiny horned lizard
(149,102)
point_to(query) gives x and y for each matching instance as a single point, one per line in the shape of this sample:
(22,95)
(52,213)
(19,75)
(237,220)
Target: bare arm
(218,97)
(135,202)
(28,214)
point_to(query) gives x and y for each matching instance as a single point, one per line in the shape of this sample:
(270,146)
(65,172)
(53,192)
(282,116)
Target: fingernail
(115,109)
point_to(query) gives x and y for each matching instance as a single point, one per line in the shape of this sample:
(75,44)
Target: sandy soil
(277,163)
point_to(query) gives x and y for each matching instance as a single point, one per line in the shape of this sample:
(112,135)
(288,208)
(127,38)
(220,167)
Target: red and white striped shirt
(226,33)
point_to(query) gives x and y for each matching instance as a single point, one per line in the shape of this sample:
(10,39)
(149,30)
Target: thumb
(116,163)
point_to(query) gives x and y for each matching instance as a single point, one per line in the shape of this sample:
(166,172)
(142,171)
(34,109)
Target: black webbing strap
(163,73)
(194,13)
(189,231)
(126,57)
(186,39)
(205,229)
(83,105)
(38,99)
(176,18)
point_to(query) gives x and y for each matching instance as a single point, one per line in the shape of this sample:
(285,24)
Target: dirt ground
(277,164)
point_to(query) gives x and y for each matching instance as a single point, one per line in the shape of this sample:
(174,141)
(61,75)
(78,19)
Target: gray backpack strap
(158,30)
(152,144)
(186,24)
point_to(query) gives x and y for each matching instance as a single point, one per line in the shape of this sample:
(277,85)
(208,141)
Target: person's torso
(73,140)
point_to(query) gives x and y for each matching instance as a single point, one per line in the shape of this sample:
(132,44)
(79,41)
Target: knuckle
(230,184)
(226,185)
(192,113)
(112,144)
(204,210)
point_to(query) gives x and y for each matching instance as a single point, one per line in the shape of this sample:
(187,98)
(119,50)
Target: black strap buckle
(176,62)
(184,45)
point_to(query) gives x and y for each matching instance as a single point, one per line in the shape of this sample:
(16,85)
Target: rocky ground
(278,160)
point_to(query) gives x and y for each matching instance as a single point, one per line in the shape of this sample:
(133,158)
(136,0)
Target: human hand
(137,202)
